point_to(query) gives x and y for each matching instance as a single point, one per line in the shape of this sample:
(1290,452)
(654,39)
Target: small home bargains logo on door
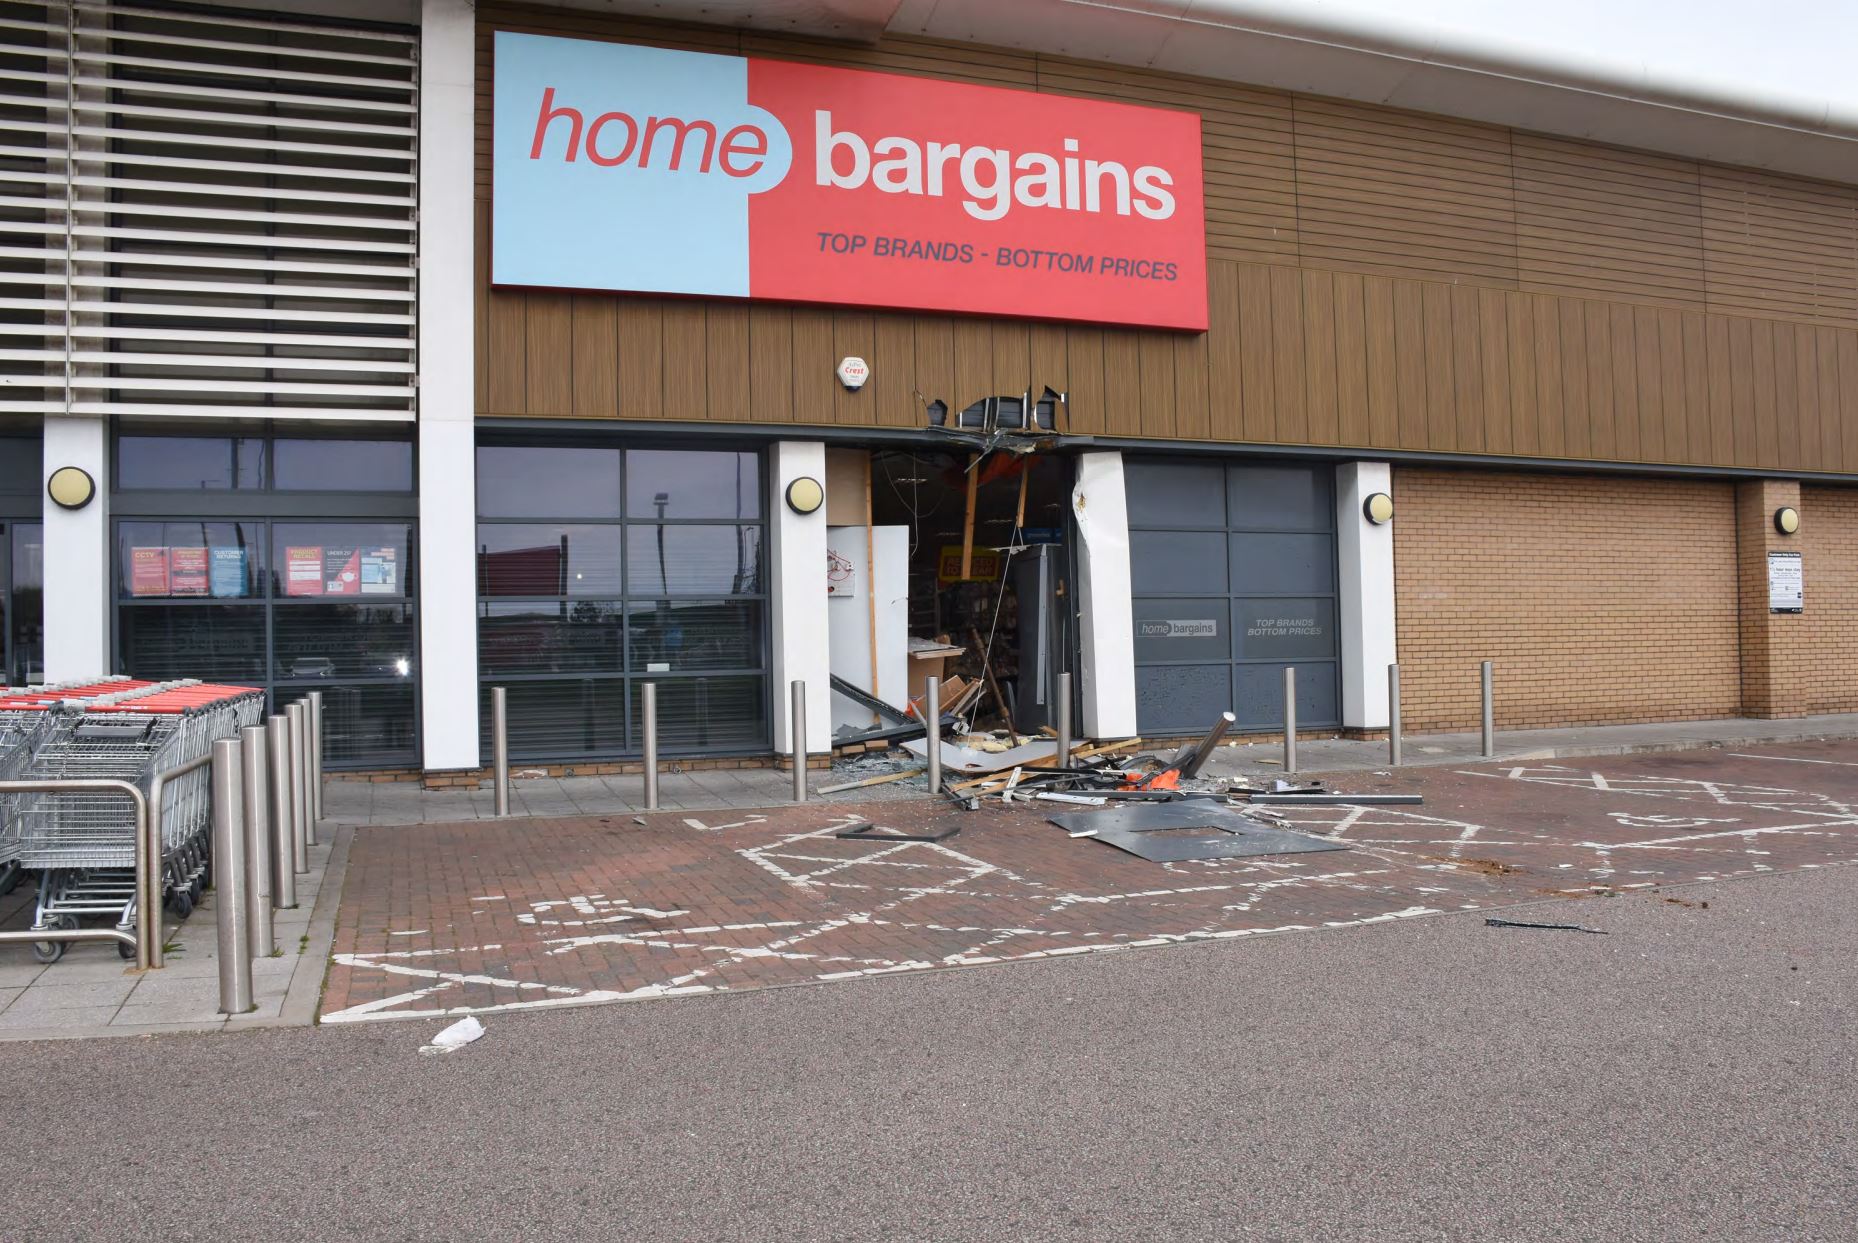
(638,168)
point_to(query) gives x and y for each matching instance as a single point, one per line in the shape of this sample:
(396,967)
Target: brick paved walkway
(450,918)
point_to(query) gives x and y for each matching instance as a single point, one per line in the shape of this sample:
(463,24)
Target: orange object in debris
(1166,779)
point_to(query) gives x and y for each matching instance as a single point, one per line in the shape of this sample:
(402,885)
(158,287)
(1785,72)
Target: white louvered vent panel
(205,213)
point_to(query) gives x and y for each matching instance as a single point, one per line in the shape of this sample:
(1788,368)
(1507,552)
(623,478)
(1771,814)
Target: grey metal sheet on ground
(1178,832)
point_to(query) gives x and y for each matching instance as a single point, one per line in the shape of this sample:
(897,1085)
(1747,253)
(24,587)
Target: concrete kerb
(305,993)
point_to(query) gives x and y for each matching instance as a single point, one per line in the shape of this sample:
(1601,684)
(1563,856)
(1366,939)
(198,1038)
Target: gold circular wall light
(70,487)
(1378,508)
(804,495)
(1787,520)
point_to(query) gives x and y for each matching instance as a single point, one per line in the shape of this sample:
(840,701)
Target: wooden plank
(1498,424)
(480,318)
(1409,300)
(508,367)
(1831,446)
(727,375)
(1155,389)
(935,362)
(1761,379)
(595,377)
(1551,411)
(1786,397)
(967,538)
(974,364)
(1848,399)
(893,354)
(1083,349)
(1319,353)
(1806,399)
(813,364)
(1441,405)
(1287,354)
(1225,378)
(1719,360)
(770,364)
(1377,313)
(1519,333)
(1353,425)
(1012,356)
(1122,383)
(1192,420)
(686,388)
(641,358)
(1467,370)
(1670,363)
(1741,387)
(1257,371)
(1697,388)
(549,347)
(1577,426)
(1048,361)
(1602,418)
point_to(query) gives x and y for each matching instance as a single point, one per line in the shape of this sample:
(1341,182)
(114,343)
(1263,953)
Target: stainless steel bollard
(1393,715)
(299,789)
(499,751)
(1490,724)
(316,756)
(932,717)
(1290,720)
(288,857)
(648,712)
(798,738)
(257,809)
(235,945)
(1061,714)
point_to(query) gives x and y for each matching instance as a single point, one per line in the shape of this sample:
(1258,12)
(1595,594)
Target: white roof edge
(1389,33)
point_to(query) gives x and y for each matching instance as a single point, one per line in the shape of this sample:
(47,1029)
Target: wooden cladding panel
(1780,246)
(1592,220)
(1400,193)
(1309,357)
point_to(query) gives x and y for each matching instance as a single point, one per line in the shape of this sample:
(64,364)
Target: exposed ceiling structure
(1622,94)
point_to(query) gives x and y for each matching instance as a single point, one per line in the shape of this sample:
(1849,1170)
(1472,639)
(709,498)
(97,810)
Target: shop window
(323,560)
(189,560)
(649,567)
(24,601)
(534,482)
(190,463)
(342,465)
(346,641)
(213,642)
(363,725)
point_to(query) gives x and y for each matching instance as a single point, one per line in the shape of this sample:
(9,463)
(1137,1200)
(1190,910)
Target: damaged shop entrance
(954,563)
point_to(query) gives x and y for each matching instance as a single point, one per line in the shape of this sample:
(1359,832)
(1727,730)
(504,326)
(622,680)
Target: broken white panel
(1106,625)
(1365,559)
(851,584)
(797,600)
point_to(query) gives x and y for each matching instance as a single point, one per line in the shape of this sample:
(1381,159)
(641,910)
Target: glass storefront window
(537,559)
(346,641)
(538,482)
(319,560)
(342,465)
(577,612)
(213,642)
(183,559)
(190,463)
(692,483)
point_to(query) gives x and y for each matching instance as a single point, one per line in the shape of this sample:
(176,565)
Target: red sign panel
(638,168)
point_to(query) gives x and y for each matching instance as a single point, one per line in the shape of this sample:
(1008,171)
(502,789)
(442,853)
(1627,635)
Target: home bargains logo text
(637,168)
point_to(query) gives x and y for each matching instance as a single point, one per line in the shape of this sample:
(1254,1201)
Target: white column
(1106,634)
(447,457)
(797,577)
(1365,556)
(77,554)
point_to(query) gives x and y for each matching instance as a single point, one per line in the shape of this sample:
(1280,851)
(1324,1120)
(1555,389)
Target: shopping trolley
(83,843)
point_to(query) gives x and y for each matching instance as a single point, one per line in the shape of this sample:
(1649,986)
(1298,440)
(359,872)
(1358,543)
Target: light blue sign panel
(576,224)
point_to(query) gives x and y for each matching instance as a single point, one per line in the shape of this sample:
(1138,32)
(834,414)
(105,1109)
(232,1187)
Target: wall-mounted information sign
(640,168)
(1786,583)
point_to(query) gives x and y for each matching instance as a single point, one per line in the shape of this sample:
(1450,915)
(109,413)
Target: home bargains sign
(639,168)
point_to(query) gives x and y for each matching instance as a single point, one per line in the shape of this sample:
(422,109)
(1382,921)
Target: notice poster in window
(380,571)
(187,571)
(226,572)
(341,571)
(303,570)
(148,571)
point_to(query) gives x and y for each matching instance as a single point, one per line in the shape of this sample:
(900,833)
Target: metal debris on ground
(1519,923)
(866,831)
(1337,800)
(1177,832)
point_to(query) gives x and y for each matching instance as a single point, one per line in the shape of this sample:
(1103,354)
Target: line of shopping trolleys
(82,844)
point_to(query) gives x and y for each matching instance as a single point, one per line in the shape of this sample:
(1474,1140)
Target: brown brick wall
(1601,599)
(1795,664)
